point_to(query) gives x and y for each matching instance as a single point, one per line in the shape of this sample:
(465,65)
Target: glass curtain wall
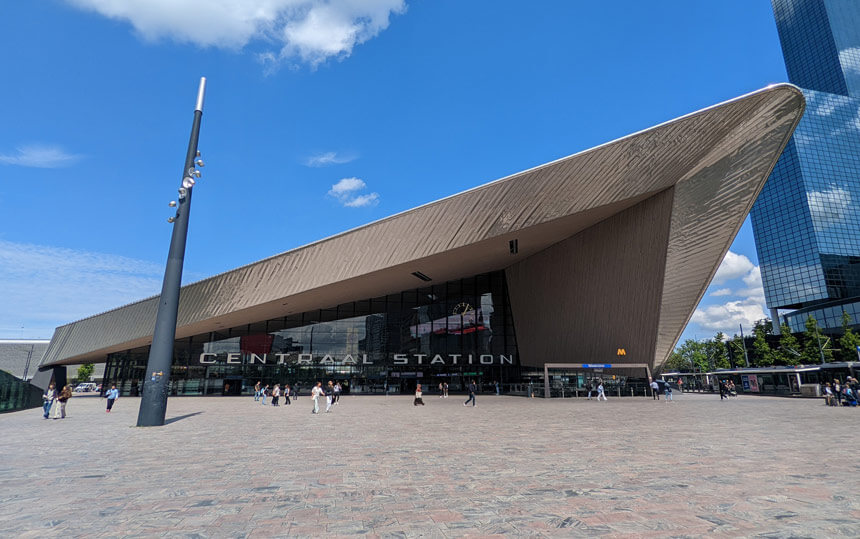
(443,333)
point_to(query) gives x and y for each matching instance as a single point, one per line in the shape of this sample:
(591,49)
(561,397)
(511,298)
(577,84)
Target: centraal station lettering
(209,358)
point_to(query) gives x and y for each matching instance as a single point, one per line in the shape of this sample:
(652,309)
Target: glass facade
(806,220)
(450,332)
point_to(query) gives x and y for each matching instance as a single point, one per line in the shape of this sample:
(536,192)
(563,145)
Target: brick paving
(631,467)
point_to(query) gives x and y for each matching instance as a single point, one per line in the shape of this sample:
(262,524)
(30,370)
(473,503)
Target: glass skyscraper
(807,219)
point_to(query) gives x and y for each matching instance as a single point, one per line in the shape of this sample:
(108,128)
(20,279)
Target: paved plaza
(228,467)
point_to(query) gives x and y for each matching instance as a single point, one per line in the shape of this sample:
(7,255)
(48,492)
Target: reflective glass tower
(807,219)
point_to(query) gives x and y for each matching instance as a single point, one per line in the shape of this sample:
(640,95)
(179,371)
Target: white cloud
(345,191)
(328,158)
(722,292)
(829,207)
(733,266)
(39,156)
(371,199)
(45,287)
(309,30)
(728,316)
(346,186)
(849,59)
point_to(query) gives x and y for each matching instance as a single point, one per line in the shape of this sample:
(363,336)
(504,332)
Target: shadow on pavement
(177,418)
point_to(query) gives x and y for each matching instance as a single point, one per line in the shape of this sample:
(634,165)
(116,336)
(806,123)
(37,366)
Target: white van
(85,387)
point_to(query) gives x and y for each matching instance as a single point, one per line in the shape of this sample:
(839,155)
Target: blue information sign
(596,365)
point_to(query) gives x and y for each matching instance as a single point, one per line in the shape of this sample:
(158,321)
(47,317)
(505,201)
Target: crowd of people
(841,393)
(331,393)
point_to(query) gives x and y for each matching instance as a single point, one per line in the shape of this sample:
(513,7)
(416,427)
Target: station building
(611,248)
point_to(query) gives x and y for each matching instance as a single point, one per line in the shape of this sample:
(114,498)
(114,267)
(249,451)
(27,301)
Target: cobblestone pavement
(228,467)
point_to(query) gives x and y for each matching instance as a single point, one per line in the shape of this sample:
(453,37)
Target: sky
(321,116)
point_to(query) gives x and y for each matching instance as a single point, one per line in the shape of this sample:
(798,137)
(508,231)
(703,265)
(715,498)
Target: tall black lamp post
(153,402)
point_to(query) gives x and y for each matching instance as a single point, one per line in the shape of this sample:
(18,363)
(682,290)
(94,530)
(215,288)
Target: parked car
(85,387)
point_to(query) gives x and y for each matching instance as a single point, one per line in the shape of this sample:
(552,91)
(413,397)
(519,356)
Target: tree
(736,346)
(687,356)
(84,372)
(762,353)
(717,353)
(849,340)
(815,344)
(789,348)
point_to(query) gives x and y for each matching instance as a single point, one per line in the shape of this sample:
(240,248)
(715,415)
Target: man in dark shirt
(472,390)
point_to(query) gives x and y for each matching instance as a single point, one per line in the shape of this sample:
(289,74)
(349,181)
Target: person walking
(473,388)
(263,394)
(655,390)
(276,394)
(445,389)
(589,388)
(316,392)
(62,399)
(441,390)
(418,400)
(257,391)
(669,393)
(329,396)
(48,401)
(112,395)
(337,391)
(600,392)
(724,390)
(287,394)
(497,388)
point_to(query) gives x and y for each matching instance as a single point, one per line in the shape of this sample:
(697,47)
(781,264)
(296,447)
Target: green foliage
(736,345)
(763,355)
(84,372)
(690,354)
(717,353)
(789,348)
(849,340)
(815,344)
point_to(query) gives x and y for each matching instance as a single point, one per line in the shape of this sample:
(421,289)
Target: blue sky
(322,116)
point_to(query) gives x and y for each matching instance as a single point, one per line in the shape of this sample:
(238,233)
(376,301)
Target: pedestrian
(112,395)
(418,400)
(724,390)
(257,391)
(445,389)
(441,390)
(48,401)
(337,390)
(287,394)
(828,395)
(264,394)
(473,388)
(329,396)
(62,399)
(669,393)
(276,394)
(316,392)
(589,388)
(600,392)
(731,389)
(497,388)
(655,390)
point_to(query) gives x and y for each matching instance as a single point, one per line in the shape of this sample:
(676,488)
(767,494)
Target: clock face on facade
(462,308)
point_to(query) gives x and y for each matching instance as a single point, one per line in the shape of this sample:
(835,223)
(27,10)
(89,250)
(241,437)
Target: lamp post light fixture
(153,402)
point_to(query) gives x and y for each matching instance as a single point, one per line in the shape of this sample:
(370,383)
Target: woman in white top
(418,400)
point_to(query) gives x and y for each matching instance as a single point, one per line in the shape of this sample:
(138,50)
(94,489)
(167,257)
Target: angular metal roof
(716,160)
